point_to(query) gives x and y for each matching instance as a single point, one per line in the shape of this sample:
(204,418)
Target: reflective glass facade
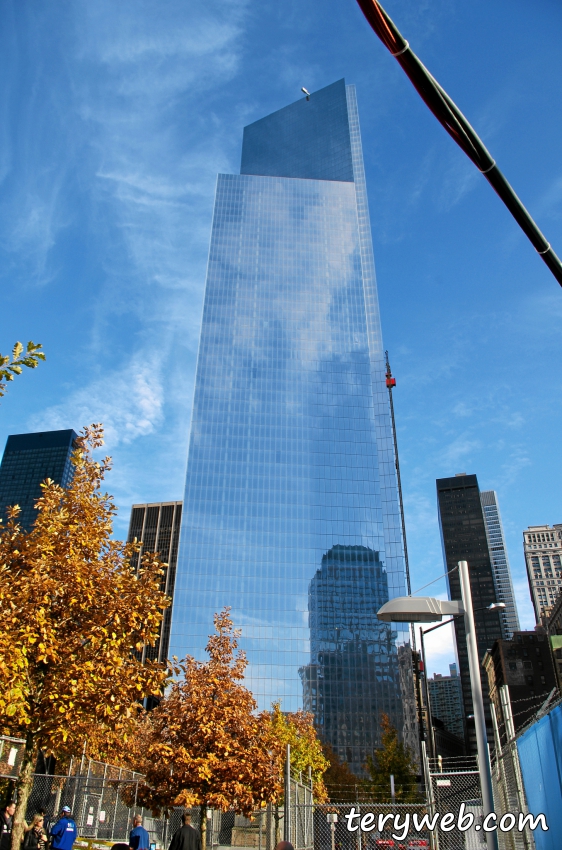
(291,491)
(28,460)
(500,563)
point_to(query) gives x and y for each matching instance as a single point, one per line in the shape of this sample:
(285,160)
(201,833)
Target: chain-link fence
(453,783)
(103,809)
(11,754)
(509,796)
(103,800)
(331,824)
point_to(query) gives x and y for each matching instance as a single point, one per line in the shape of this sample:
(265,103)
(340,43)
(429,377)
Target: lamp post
(426,609)
(430,733)
(484,766)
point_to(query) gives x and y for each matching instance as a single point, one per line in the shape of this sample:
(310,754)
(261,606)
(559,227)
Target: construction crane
(390,384)
(456,125)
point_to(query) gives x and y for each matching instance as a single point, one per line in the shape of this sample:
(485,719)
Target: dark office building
(28,460)
(525,665)
(463,532)
(157,527)
(353,675)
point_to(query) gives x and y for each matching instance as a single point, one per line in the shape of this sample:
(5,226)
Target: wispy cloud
(128,402)
(140,147)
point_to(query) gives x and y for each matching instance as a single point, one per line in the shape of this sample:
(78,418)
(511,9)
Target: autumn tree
(204,745)
(396,759)
(342,785)
(297,729)
(12,366)
(72,612)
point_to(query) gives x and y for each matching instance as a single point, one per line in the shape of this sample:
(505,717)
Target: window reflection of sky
(290,449)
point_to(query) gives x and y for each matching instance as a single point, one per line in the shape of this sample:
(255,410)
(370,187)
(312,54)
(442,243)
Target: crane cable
(457,126)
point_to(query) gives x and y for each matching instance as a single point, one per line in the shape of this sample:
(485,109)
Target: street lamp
(425,609)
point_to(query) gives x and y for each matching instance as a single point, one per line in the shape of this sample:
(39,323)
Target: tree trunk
(203,827)
(23,788)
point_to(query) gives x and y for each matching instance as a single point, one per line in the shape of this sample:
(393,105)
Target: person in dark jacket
(6,820)
(186,838)
(35,837)
(64,832)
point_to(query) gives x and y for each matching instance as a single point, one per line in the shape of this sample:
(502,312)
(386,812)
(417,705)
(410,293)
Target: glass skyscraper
(509,617)
(28,460)
(291,511)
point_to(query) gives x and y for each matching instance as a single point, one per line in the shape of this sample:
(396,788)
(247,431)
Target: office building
(445,697)
(464,537)
(28,460)
(525,665)
(500,563)
(542,545)
(553,628)
(291,462)
(157,527)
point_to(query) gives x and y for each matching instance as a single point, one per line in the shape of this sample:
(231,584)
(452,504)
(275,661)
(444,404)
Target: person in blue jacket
(64,832)
(139,839)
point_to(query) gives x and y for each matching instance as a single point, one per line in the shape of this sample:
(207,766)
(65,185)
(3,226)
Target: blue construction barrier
(540,754)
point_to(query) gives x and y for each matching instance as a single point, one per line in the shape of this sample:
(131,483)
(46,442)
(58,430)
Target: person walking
(6,821)
(139,839)
(64,832)
(35,837)
(186,838)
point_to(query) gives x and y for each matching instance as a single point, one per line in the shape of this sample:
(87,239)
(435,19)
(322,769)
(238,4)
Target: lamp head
(418,609)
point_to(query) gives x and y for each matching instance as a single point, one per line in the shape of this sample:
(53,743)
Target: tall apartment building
(291,477)
(27,461)
(465,538)
(157,526)
(445,695)
(542,545)
(500,563)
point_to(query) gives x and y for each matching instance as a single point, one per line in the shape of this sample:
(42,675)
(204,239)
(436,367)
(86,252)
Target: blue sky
(114,121)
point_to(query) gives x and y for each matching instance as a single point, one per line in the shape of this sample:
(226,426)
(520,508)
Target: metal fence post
(287,801)
(434,838)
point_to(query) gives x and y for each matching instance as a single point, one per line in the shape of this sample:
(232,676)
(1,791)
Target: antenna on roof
(307,93)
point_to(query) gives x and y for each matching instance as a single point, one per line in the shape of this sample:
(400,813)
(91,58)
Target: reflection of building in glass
(353,672)
(291,449)
(28,460)
(157,527)
(408,669)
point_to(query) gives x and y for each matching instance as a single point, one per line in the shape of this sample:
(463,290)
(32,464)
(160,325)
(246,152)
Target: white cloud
(460,449)
(128,403)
